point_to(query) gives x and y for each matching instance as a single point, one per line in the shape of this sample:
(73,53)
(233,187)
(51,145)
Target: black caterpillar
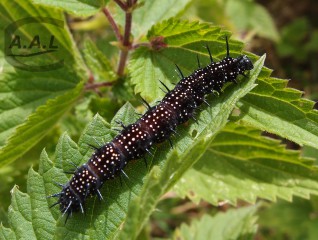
(155,126)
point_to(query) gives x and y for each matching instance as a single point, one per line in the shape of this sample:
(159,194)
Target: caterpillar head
(244,64)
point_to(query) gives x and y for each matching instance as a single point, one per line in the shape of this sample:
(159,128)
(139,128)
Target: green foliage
(274,108)
(148,13)
(295,219)
(295,34)
(241,161)
(240,15)
(214,160)
(300,32)
(98,63)
(234,224)
(31,104)
(248,14)
(76,7)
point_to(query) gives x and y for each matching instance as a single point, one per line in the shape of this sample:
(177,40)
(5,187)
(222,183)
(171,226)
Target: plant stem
(98,85)
(121,4)
(124,40)
(126,44)
(113,24)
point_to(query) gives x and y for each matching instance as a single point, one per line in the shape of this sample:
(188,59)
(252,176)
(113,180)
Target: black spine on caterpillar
(155,126)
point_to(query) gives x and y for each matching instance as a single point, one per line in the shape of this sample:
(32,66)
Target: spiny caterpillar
(155,126)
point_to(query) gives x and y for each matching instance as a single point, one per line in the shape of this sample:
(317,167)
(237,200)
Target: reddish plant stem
(128,22)
(98,85)
(121,4)
(126,40)
(113,24)
(126,44)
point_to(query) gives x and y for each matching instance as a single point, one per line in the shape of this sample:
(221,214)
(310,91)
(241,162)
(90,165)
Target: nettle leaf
(98,63)
(76,7)
(179,42)
(31,100)
(242,164)
(129,202)
(233,224)
(37,125)
(153,12)
(274,108)
(149,13)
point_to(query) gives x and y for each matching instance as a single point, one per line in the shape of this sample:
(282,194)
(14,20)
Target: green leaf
(260,20)
(76,7)
(37,125)
(34,100)
(233,224)
(153,12)
(138,195)
(250,15)
(274,108)
(310,152)
(98,63)
(6,233)
(126,115)
(150,13)
(241,164)
(183,41)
